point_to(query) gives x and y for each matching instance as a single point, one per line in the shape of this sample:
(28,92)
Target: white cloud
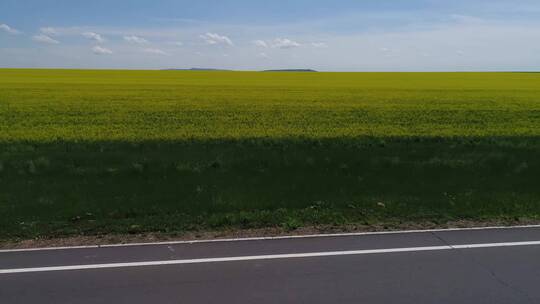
(260,43)
(284,43)
(49,31)
(6,28)
(94,36)
(216,39)
(263,55)
(44,39)
(154,51)
(178,43)
(388,52)
(319,45)
(98,50)
(135,39)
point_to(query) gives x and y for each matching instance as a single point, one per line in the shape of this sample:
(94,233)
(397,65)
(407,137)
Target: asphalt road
(472,266)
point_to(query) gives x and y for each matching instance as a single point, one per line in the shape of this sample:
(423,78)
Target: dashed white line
(265,257)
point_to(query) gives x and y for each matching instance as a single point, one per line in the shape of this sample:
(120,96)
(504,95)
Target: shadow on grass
(66,188)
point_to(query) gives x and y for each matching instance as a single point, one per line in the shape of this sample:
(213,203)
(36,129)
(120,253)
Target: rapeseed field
(102,151)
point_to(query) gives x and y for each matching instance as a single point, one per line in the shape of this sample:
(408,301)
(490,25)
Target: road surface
(463,266)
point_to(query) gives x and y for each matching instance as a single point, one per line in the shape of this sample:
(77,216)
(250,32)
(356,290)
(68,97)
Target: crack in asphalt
(486,268)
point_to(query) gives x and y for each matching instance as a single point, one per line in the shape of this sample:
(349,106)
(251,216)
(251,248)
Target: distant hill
(211,69)
(291,70)
(196,69)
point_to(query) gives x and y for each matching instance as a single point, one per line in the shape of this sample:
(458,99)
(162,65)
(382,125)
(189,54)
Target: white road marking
(266,257)
(287,237)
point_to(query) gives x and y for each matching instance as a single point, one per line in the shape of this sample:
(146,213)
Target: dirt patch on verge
(101,240)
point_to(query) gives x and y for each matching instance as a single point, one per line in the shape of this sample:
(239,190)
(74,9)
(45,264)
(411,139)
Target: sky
(326,35)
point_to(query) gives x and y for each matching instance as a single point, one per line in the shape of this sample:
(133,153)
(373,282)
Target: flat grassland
(93,152)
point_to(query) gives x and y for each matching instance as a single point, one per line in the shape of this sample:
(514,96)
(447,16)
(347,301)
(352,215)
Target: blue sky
(339,35)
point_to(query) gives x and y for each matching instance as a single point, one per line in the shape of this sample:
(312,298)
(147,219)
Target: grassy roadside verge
(68,188)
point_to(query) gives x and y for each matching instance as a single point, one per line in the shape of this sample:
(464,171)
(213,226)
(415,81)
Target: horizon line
(303,70)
